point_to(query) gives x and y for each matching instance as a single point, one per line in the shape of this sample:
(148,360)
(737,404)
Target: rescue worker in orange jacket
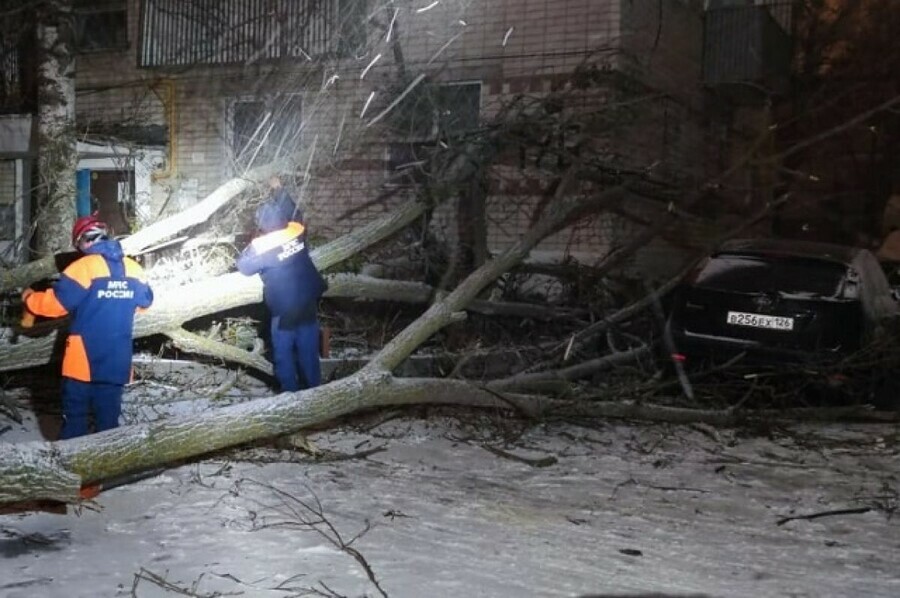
(100,291)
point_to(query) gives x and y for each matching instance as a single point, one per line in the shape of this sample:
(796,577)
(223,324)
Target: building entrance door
(112,195)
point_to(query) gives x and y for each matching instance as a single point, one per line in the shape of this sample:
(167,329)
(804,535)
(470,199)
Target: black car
(781,301)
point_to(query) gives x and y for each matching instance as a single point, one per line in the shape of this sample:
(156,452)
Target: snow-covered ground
(614,509)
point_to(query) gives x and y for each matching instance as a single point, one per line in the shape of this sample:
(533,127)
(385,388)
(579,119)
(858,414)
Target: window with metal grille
(7,200)
(18,61)
(100,25)
(11,95)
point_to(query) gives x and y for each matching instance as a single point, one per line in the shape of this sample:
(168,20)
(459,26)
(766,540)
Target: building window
(18,61)
(265,129)
(247,127)
(352,27)
(440,114)
(100,25)
(8,200)
(457,109)
(439,111)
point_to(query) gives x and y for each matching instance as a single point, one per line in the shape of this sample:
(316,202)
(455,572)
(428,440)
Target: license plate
(740,318)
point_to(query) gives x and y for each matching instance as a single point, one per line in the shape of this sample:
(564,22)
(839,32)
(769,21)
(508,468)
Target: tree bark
(32,471)
(57,153)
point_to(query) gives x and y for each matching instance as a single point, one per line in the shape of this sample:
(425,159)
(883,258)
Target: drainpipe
(165,91)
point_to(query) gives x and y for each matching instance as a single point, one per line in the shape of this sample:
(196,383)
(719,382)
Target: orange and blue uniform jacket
(292,286)
(100,291)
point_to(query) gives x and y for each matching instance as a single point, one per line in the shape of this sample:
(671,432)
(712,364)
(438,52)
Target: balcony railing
(748,49)
(213,32)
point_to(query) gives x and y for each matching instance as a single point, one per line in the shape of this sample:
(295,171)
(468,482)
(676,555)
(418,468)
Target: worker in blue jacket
(100,292)
(292,287)
(281,198)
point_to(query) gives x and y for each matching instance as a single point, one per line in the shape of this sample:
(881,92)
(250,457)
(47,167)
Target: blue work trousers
(295,352)
(80,399)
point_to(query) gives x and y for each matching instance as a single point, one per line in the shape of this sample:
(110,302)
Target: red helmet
(88,228)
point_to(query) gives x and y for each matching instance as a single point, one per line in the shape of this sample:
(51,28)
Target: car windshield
(748,274)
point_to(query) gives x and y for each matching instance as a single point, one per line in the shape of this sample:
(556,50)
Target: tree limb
(359,286)
(150,235)
(175,306)
(200,345)
(442,312)
(537,380)
(52,470)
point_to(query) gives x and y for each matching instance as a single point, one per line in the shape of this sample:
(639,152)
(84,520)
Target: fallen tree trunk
(55,470)
(173,307)
(358,286)
(133,448)
(151,235)
(38,470)
(33,471)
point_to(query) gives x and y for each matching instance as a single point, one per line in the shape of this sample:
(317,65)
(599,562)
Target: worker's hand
(27,320)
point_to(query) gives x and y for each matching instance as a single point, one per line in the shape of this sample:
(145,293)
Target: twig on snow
(310,516)
(168,586)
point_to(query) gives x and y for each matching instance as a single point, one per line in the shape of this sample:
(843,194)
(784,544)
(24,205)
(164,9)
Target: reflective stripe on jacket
(292,286)
(101,291)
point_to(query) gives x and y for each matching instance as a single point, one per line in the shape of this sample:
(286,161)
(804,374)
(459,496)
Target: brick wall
(662,44)
(510,46)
